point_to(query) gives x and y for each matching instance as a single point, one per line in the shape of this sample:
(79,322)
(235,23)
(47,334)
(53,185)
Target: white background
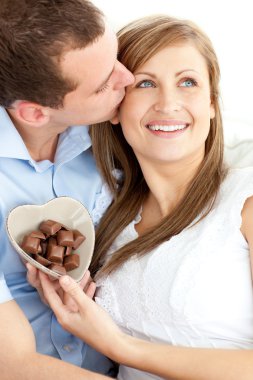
(229,24)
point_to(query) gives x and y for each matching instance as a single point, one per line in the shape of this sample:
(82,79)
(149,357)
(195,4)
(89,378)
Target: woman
(173,250)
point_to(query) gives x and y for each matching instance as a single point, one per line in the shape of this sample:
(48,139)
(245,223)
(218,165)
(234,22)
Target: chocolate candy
(43,245)
(57,268)
(37,234)
(55,253)
(30,244)
(71,262)
(42,260)
(78,239)
(68,251)
(52,245)
(52,241)
(65,238)
(50,227)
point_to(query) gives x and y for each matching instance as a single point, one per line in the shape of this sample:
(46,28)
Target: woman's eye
(145,84)
(188,83)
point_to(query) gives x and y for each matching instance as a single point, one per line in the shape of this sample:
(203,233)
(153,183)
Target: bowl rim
(27,257)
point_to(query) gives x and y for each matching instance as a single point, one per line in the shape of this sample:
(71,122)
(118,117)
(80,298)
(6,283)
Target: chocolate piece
(52,241)
(42,260)
(52,246)
(57,268)
(78,239)
(37,234)
(55,253)
(50,227)
(65,238)
(68,251)
(71,262)
(43,245)
(30,244)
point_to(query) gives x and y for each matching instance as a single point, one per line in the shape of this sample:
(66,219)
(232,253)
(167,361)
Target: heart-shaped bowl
(65,210)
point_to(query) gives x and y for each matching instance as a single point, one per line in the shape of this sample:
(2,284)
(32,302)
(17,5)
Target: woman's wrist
(118,350)
(125,350)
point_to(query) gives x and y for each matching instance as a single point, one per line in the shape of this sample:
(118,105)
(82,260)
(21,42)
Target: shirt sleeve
(104,199)
(5,294)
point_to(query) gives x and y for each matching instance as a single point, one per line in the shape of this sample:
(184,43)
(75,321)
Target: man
(58,68)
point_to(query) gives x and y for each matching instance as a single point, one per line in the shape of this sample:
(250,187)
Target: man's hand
(34,280)
(86,285)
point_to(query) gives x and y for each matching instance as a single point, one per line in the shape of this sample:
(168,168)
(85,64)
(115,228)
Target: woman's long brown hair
(138,42)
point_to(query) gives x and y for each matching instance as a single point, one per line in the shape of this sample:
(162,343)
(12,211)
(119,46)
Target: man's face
(101,80)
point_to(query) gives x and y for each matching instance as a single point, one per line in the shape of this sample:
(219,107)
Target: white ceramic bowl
(27,218)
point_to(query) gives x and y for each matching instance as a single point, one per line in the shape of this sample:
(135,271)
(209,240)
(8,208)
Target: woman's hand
(88,321)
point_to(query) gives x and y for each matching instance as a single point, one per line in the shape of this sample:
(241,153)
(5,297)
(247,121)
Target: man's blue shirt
(25,181)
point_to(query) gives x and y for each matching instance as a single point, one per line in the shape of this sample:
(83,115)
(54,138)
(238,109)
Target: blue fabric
(5,294)
(24,181)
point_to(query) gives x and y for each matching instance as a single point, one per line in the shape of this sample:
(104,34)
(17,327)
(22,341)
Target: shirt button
(67,347)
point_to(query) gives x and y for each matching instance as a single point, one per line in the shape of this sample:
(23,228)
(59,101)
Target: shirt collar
(12,145)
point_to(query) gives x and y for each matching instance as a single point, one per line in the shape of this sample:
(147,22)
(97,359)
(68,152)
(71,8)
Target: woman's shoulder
(238,180)
(236,188)
(246,172)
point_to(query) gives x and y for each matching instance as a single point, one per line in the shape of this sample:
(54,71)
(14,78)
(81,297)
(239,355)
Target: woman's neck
(167,184)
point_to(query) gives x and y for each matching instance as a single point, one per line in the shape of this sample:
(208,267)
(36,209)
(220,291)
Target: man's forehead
(92,64)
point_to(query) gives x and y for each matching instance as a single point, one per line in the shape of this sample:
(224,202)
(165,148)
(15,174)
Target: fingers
(85,280)
(73,289)
(32,275)
(91,290)
(34,280)
(51,294)
(88,285)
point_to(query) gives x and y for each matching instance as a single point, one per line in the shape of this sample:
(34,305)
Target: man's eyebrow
(105,81)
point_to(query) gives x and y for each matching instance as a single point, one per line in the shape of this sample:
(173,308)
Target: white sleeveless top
(194,290)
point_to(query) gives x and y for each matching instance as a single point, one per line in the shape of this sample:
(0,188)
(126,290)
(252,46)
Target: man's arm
(18,357)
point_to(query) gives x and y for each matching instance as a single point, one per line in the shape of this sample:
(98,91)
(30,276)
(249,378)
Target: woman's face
(166,113)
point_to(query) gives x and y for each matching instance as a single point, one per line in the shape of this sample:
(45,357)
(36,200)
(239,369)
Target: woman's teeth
(166,128)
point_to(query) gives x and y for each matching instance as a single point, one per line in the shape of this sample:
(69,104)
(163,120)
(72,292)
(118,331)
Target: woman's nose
(167,101)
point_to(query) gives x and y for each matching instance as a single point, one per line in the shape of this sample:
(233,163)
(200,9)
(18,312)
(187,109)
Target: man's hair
(33,36)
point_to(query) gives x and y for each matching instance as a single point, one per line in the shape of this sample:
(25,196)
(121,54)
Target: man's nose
(123,77)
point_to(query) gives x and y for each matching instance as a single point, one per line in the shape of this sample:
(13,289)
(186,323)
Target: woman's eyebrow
(145,73)
(186,70)
(154,76)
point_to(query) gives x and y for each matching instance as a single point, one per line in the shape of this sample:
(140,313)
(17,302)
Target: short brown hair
(138,42)
(33,36)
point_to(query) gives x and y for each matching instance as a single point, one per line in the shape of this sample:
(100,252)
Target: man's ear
(30,113)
